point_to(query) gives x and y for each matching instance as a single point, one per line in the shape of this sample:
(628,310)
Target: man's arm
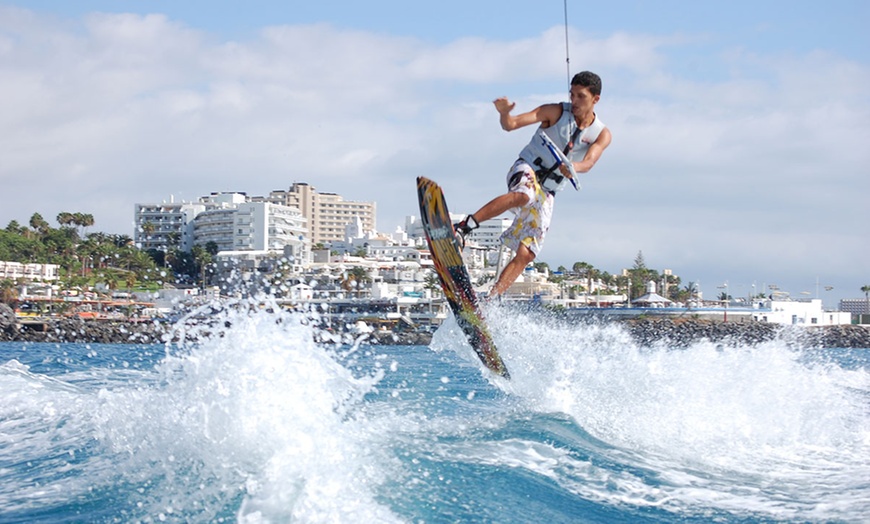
(594,152)
(546,115)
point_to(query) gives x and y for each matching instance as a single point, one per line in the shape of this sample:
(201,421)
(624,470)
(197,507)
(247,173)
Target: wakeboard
(453,274)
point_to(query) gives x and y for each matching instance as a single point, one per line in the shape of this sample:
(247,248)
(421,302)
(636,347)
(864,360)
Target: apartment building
(263,226)
(856,306)
(327,213)
(215,225)
(165,226)
(230,220)
(488,234)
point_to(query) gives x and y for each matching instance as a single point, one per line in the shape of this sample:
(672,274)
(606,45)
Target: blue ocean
(257,416)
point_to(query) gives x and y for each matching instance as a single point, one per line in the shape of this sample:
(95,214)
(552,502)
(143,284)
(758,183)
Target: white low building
(29,272)
(799,313)
(488,234)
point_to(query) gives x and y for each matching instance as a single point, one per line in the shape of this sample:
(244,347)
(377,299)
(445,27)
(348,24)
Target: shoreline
(646,332)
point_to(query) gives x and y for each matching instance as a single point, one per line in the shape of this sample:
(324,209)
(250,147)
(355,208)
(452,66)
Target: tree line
(632,282)
(85,259)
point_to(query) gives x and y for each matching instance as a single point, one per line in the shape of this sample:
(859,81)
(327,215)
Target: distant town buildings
(856,306)
(166,225)
(327,213)
(798,313)
(300,217)
(29,272)
(217,223)
(300,244)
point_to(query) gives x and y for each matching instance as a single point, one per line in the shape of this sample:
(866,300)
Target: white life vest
(541,158)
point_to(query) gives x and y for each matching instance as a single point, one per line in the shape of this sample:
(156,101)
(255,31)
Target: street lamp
(725,287)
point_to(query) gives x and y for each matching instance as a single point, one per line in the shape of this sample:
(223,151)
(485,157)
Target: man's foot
(464,228)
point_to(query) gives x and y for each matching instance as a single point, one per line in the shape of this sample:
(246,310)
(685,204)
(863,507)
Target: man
(536,176)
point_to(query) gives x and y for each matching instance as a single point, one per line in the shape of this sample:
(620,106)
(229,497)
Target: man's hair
(588,79)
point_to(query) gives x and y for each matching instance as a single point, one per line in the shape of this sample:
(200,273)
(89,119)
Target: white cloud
(762,171)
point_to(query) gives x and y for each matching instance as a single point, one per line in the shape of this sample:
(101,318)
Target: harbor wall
(676,332)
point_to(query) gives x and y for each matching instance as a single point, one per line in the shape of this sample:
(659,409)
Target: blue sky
(740,128)
(799,27)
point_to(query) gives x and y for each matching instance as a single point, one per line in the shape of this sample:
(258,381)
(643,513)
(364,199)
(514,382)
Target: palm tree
(592,274)
(136,260)
(203,259)
(68,259)
(121,241)
(608,280)
(66,221)
(173,240)
(130,280)
(83,220)
(105,251)
(687,293)
(65,218)
(624,282)
(148,229)
(356,277)
(866,291)
(585,270)
(433,284)
(39,224)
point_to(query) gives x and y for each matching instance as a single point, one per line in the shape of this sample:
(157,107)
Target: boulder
(7,317)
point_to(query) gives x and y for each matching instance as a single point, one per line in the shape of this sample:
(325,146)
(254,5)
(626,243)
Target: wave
(258,421)
(768,428)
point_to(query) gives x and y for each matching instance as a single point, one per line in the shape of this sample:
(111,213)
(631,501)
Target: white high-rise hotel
(235,223)
(167,225)
(328,213)
(297,218)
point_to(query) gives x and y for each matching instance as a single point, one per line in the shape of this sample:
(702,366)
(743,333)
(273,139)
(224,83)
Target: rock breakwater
(673,332)
(681,333)
(85,331)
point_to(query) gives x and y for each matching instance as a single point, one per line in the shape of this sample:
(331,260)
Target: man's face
(582,101)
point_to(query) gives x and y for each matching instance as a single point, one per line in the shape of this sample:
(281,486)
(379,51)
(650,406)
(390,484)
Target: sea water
(258,417)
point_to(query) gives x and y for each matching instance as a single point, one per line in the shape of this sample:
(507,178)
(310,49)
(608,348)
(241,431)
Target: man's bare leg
(512,270)
(499,205)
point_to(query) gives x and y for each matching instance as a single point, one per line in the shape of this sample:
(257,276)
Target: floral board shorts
(533,219)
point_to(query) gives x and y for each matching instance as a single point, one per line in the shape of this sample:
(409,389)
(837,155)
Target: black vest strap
(544,174)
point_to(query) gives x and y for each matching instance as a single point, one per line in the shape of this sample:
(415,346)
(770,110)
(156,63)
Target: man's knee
(518,199)
(525,255)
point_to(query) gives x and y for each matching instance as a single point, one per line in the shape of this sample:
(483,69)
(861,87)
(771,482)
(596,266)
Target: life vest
(545,161)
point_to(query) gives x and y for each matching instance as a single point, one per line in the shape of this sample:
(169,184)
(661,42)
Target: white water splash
(733,428)
(258,420)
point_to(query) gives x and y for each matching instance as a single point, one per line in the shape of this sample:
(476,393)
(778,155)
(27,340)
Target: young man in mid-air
(533,180)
